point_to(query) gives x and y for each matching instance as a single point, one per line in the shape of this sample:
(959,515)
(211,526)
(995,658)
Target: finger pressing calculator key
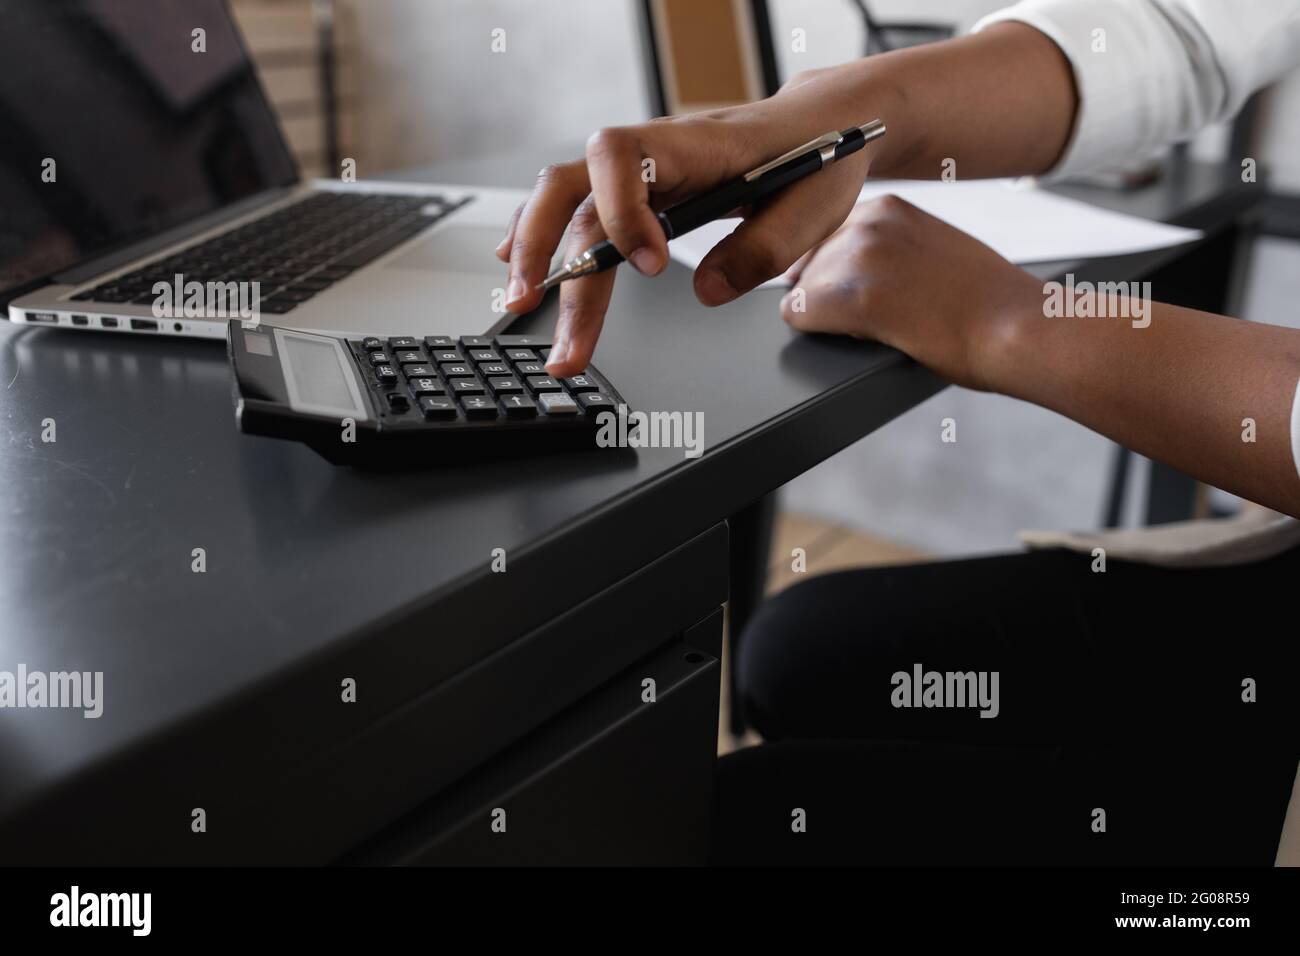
(405,399)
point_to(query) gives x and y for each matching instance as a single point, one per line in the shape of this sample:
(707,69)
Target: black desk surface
(315,573)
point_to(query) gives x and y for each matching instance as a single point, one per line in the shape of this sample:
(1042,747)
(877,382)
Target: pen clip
(821,142)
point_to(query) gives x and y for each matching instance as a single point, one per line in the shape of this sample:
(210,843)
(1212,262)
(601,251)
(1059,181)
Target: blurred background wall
(419,83)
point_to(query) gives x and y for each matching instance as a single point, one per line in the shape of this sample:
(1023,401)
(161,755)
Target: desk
(475,690)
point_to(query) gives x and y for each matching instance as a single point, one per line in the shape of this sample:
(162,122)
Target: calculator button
(581,383)
(404,342)
(476,341)
(451,369)
(484,355)
(531,368)
(410,355)
(386,374)
(557,403)
(543,383)
(593,402)
(465,386)
(504,386)
(426,386)
(378,358)
(522,341)
(439,342)
(418,371)
(438,407)
(494,368)
(370,343)
(447,355)
(476,406)
(519,406)
(399,403)
(544,353)
(521,355)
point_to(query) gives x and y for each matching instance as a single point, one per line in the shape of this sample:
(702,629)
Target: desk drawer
(405,759)
(614,780)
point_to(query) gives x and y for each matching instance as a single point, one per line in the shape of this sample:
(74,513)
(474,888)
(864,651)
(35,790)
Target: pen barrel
(735,195)
(606,256)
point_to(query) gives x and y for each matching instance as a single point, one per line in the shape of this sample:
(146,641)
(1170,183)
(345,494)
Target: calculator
(405,399)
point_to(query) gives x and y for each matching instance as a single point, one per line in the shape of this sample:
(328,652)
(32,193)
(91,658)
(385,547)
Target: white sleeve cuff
(1127,73)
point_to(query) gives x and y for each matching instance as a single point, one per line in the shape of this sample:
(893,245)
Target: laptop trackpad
(453,249)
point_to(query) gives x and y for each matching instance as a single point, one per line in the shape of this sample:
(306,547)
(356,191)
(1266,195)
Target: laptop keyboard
(295,253)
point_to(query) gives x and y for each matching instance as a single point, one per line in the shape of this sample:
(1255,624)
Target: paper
(1021,221)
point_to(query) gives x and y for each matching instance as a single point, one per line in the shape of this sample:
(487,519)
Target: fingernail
(713,287)
(645,260)
(517,289)
(502,244)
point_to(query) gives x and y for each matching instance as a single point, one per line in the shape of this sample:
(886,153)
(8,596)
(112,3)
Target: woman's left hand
(898,275)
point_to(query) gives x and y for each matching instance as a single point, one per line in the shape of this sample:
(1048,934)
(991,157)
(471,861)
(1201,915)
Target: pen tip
(552,280)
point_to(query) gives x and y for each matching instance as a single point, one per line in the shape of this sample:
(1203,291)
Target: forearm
(999,103)
(1207,394)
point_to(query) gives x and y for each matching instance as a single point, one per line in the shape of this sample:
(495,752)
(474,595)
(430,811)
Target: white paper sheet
(1021,221)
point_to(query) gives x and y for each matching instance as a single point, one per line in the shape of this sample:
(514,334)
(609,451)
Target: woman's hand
(898,275)
(630,173)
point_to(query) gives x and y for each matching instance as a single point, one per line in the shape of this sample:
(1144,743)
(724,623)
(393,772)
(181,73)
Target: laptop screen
(119,119)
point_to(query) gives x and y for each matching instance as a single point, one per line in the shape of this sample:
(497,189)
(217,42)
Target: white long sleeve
(1161,70)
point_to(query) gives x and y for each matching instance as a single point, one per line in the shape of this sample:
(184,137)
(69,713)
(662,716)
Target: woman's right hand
(615,191)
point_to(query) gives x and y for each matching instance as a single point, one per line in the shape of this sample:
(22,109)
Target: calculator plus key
(476,406)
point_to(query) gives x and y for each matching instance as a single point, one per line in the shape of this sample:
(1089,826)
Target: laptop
(130,158)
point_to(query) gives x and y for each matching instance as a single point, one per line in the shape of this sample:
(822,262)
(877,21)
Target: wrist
(1009,340)
(816,101)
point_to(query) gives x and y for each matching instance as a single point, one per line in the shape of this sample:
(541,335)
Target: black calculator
(405,399)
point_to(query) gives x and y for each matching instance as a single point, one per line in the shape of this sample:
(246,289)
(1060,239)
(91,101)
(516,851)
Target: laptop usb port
(80,320)
(144,325)
(49,317)
(108,322)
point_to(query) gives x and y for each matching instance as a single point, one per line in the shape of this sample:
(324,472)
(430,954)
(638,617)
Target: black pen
(741,191)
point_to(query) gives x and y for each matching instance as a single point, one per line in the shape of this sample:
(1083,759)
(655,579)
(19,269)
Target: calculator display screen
(317,376)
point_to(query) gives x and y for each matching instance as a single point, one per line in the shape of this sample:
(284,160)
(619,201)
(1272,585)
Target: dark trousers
(1120,736)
